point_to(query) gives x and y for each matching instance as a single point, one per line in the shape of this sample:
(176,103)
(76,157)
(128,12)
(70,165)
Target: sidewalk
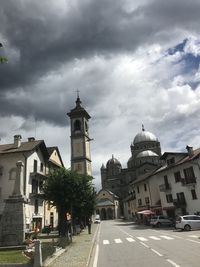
(78,253)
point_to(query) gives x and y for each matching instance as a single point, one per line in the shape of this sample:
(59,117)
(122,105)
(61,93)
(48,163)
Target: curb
(53,257)
(92,246)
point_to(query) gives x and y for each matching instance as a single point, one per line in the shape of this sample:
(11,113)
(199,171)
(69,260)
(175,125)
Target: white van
(188,222)
(97,219)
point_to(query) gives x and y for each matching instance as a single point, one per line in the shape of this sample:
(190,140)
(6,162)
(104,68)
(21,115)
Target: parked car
(97,219)
(160,220)
(188,222)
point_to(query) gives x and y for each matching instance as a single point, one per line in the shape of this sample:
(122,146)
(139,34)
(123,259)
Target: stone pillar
(18,188)
(38,254)
(12,227)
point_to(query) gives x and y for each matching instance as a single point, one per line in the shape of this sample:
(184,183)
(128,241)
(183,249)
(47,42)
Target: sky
(134,62)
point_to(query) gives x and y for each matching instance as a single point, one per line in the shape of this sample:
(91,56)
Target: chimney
(17,140)
(31,139)
(190,150)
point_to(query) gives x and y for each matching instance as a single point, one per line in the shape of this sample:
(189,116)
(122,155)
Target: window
(169,198)
(189,175)
(171,161)
(181,198)
(145,187)
(86,126)
(166,182)
(34,186)
(77,125)
(36,206)
(194,195)
(13,174)
(35,166)
(140,202)
(1,170)
(138,189)
(41,167)
(177,176)
(147,200)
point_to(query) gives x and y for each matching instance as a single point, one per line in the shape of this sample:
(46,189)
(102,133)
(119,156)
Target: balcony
(165,187)
(37,194)
(178,203)
(188,181)
(38,175)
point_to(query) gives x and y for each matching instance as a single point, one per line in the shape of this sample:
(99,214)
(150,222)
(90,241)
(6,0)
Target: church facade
(145,158)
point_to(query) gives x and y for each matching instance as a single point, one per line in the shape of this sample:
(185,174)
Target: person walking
(89,225)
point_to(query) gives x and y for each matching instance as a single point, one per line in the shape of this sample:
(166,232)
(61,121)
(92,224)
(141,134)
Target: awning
(146,212)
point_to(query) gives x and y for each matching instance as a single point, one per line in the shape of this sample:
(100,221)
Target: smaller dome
(102,167)
(113,162)
(144,136)
(130,159)
(147,153)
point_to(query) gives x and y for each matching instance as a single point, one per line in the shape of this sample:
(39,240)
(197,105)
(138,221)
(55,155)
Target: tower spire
(78,101)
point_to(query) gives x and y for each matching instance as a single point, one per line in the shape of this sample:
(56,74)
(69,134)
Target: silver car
(188,222)
(160,220)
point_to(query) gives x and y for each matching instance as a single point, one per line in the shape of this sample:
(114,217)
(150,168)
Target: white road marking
(142,238)
(118,241)
(194,241)
(166,237)
(154,237)
(130,239)
(96,256)
(155,251)
(178,236)
(173,263)
(106,242)
(195,236)
(144,244)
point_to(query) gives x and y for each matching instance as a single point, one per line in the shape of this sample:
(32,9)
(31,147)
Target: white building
(28,163)
(179,182)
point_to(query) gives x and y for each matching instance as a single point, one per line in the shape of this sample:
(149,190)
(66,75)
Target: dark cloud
(41,38)
(45,39)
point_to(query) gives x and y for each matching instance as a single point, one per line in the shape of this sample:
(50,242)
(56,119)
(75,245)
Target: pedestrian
(89,225)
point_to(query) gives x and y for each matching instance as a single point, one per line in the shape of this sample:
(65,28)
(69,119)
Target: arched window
(86,126)
(77,125)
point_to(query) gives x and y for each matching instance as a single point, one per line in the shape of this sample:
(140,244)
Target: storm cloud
(134,62)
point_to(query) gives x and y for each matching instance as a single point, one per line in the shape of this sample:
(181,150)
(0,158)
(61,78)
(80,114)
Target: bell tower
(80,140)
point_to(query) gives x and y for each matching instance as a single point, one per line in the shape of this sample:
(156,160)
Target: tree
(69,192)
(2,59)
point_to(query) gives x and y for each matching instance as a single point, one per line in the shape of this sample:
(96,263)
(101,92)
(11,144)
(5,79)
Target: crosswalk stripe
(118,241)
(106,242)
(130,239)
(166,237)
(194,236)
(142,238)
(154,237)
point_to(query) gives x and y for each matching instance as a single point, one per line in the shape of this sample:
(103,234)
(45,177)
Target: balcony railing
(188,181)
(179,203)
(165,187)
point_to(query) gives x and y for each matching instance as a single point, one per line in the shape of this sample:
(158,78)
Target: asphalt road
(125,244)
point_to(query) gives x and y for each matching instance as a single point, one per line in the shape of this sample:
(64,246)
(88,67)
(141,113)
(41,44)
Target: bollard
(38,254)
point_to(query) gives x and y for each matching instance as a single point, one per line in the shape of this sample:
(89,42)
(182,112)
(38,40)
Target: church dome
(113,162)
(144,136)
(147,153)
